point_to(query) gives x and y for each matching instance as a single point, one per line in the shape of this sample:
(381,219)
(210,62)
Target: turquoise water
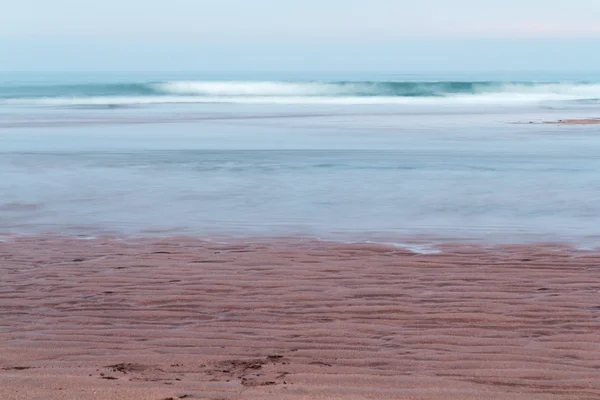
(347,89)
(350,157)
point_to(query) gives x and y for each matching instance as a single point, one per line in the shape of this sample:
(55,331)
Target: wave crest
(273,92)
(248,88)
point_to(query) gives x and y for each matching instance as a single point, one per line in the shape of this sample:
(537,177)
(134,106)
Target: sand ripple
(283,319)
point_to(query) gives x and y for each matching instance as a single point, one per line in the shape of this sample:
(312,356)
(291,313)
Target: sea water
(447,157)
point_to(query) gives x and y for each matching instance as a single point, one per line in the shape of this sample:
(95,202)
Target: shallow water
(341,171)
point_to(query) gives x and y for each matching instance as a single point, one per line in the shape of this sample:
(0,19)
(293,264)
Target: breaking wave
(274,92)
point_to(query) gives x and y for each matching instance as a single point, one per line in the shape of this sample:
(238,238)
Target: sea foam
(281,92)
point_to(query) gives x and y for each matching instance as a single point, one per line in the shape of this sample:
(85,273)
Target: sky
(325,35)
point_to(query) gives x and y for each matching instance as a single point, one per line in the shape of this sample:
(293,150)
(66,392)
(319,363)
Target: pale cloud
(531,29)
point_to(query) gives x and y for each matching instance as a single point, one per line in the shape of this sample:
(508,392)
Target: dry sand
(284,319)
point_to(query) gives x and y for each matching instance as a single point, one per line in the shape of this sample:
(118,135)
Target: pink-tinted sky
(68,34)
(296,19)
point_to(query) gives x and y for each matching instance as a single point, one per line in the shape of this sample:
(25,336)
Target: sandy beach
(587,121)
(182,318)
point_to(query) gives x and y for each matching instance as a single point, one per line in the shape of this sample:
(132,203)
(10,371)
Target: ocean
(390,158)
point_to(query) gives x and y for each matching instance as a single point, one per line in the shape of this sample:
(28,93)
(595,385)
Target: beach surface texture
(182,318)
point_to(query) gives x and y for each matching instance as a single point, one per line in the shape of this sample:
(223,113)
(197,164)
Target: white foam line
(454,100)
(415,248)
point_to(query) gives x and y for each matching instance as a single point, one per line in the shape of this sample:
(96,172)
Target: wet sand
(293,319)
(588,121)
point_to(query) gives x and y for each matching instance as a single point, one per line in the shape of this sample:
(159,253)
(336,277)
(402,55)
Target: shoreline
(177,317)
(416,243)
(577,121)
(585,121)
